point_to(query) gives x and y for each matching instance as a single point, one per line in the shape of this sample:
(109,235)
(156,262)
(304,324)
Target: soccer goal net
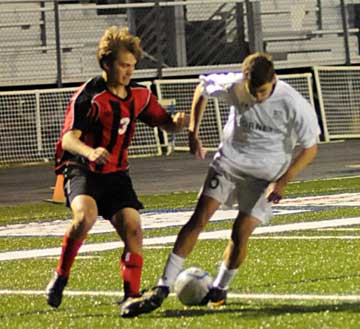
(339,101)
(181,91)
(31,122)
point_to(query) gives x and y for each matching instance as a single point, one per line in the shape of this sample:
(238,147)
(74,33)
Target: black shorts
(112,192)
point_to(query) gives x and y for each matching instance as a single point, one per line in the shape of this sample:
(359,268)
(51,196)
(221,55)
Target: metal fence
(54,42)
(30,121)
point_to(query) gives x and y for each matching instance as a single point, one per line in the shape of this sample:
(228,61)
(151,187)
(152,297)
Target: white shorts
(246,191)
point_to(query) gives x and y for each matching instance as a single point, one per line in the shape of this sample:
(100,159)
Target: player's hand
(196,148)
(276,191)
(99,155)
(180,120)
(274,197)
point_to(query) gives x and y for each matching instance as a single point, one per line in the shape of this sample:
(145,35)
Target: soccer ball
(192,285)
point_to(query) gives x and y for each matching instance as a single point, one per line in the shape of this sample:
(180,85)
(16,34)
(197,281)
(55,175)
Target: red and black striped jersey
(108,121)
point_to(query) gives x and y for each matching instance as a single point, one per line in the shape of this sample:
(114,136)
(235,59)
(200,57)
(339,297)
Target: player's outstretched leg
(148,302)
(55,290)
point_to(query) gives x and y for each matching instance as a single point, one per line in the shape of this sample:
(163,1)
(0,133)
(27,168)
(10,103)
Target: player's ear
(246,74)
(105,66)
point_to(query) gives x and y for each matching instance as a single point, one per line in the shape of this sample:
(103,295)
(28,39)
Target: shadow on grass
(45,310)
(68,311)
(248,310)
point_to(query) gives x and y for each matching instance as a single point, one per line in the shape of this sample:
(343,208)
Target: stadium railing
(180,38)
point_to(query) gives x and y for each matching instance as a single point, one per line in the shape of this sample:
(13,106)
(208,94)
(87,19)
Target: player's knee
(134,230)
(83,219)
(128,225)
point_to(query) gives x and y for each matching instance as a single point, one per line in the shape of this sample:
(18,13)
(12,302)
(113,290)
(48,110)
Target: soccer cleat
(55,290)
(148,302)
(215,298)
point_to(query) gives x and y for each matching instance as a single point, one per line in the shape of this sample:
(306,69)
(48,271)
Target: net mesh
(31,122)
(339,97)
(182,91)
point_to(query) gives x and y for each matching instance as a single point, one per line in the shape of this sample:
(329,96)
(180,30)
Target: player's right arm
(197,110)
(71,142)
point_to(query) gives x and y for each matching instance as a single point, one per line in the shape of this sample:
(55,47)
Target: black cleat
(215,298)
(127,298)
(148,302)
(55,290)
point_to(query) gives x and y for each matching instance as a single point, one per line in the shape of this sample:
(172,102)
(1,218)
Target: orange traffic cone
(58,194)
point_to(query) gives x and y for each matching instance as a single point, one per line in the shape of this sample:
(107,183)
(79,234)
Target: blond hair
(115,39)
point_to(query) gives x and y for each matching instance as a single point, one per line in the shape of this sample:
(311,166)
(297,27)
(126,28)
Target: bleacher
(296,33)
(27,34)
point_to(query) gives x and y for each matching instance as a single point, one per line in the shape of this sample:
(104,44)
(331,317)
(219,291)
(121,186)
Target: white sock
(172,269)
(224,277)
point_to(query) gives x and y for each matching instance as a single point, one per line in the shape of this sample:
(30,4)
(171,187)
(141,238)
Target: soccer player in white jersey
(251,167)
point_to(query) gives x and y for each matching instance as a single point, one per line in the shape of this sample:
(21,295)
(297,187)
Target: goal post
(339,100)
(146,141)
(302,82)
(31,121)
(168,142)
(182,91)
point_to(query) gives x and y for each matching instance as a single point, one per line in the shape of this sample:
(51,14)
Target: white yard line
(308,225)
(311,237)
(341,229)
(222,234)
(168,218)
(297,297)
(234,295)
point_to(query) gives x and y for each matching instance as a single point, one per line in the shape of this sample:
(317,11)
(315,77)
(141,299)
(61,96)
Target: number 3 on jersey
(123,125)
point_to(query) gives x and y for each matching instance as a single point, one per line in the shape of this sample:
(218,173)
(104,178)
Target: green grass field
(296,279)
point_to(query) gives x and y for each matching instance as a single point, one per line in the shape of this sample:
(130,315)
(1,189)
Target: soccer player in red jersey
(92,154)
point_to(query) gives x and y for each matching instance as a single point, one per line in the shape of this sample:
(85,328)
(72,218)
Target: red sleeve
(153,114)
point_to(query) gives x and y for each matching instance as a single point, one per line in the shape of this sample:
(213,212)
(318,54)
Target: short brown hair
(117,38)
(258,69)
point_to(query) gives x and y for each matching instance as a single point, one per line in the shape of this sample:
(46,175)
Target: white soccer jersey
(259,138)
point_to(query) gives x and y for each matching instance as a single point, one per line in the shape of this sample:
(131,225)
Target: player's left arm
(301,161)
